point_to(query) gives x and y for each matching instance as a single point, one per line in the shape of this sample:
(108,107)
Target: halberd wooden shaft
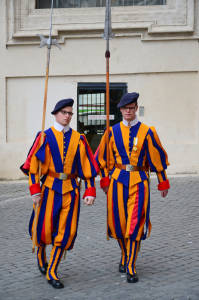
(41,142)
(107,108)
(107,35)
(107,55)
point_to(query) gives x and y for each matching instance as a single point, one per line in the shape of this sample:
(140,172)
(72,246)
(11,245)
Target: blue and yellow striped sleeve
(87,166)
(101,158)
(34,184)
(157,158)
(40,153)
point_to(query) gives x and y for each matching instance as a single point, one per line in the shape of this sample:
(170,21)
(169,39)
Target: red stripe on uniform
(91,155)
(134,217)
(96,152)
(113,217)
(27,162)
(43,236)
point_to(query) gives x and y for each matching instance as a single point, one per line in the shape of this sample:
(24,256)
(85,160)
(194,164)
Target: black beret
(127,99)
(61,104)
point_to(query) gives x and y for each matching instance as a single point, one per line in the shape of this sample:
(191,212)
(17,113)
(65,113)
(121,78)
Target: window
(91,112)
(95,3)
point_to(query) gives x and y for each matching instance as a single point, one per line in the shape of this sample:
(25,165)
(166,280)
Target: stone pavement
(168,265)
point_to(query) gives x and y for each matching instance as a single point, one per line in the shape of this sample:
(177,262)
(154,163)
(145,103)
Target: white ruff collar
(132,123)
(60,128)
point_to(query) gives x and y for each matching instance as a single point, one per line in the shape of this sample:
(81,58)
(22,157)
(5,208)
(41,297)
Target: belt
(130,168)
(62,176)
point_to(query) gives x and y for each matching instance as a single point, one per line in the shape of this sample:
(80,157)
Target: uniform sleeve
(25,167)
(87,166)
(157,158)
(40,154)
(101,158)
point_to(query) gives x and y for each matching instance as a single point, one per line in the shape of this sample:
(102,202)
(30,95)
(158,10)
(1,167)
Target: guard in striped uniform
(64,155)
(134,149)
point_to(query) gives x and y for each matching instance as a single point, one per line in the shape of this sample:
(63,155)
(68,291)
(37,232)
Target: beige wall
(158,61)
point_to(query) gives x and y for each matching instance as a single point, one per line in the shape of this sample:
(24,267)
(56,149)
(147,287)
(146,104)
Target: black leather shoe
(132,278)
(56,284)
(43,270)
(122,268)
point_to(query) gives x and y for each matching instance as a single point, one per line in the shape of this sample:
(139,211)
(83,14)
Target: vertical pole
(107,55)
(49,42)
(107,35)
(41,142)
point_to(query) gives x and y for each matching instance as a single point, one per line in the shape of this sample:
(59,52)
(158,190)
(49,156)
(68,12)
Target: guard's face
(64,116)
(129,111)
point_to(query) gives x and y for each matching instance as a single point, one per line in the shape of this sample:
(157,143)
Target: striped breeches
(41,256)
(128,210)
(129,252)
(55,258)
(58,217)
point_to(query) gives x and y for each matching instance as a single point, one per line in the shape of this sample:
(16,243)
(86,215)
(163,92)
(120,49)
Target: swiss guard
(134,150)
(64,157)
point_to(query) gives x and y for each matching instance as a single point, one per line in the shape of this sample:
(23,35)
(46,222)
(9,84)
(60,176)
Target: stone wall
(155,51)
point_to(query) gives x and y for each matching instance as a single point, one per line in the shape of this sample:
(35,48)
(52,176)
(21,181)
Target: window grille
(91,109)
(95,3)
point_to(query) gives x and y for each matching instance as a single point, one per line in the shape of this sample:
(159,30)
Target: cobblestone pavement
(168,265)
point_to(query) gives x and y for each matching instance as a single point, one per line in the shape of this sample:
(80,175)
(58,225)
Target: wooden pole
(41,142)
(44,42)
(107,35)
(107,55)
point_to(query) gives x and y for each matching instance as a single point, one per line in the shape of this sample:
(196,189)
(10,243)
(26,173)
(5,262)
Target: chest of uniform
(63,146)
(131,143)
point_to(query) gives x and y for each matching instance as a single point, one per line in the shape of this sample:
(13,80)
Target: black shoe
(132,278)
(43,270)
(122,268)
(56,284)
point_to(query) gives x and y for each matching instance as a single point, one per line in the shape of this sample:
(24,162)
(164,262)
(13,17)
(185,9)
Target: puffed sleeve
(38,153)
(157,158)
(87,167)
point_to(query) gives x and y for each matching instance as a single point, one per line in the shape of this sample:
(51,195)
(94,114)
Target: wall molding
(152,22)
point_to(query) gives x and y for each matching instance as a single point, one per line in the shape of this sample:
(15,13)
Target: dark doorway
(91,116)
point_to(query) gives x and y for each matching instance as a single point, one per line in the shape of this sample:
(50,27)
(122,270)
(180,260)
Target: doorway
(91,109)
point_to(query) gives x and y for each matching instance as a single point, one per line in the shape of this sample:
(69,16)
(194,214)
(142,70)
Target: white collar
(132,123)
(60,127)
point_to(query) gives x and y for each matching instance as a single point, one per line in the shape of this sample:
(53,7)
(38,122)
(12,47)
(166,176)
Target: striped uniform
(128,196)
(58,211)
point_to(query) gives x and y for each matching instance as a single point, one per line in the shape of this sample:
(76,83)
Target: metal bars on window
(91,104)
(96,3)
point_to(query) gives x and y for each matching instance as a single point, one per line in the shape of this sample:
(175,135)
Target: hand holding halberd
(36,199)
